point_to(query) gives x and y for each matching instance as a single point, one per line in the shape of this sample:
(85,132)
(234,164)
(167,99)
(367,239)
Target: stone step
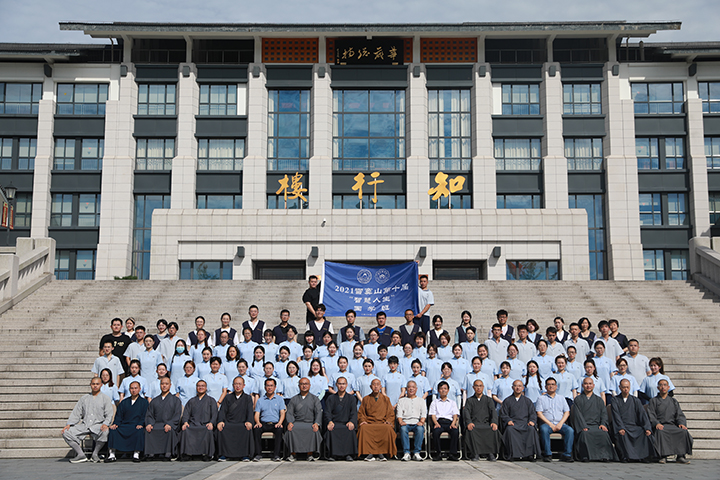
(55,441)
(29,433)
(57,452)
(35,414)
(21,404)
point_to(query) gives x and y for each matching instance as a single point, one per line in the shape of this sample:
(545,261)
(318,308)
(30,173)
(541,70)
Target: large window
(156,99)
(666,264)
(154,153)
(593,205)
(519,99)
(206,270)
(227,202)
(533,270)
(663,209)
(75,264)
(383,201)
(20,98)
(368,130)
(218,99)
(81,99)
(23,209)
(710,95)
(584,153)
(660,153)
(658,98)
(17,153)
(75,210)
(519,201)
(712,152)
(145,205)
(582,99)
(449,130)
(78,154)
(714,207)
(221,154)
(288,130)
(517,154)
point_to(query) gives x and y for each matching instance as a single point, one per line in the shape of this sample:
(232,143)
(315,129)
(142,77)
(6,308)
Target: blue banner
(368,290)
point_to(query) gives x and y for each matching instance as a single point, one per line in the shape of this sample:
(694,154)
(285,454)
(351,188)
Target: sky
(36,21)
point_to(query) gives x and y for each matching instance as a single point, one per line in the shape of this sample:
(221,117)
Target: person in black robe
(126,431)
(480,417)
(341,419)
(235,423)
(590,422)
(669,425)
(518,418)
(198,423)
(633,432)
(163,423)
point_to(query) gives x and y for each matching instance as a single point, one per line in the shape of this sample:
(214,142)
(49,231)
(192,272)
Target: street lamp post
(10,191)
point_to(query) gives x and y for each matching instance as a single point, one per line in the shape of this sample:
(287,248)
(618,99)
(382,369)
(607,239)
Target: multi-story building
(483,151)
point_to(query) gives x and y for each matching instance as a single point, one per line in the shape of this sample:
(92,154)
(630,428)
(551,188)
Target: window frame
(677,107)
(340,199)
(166,161)
(72,218)
(276,117)
(709,105)
(223,109)
(573,103)
(237,161)
(535,199)
(518,271)
(33,103)
(534,144)
(77,158)
(439,135)
(511,107)
(147,104)
(663,203)
(202,201)
(99,105)
(661,146)
(190,267)
(10,153)
(596,162)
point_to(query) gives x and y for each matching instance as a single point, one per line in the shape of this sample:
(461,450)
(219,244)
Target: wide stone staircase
(49,341)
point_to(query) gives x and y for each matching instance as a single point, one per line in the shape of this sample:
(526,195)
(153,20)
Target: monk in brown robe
(376,434)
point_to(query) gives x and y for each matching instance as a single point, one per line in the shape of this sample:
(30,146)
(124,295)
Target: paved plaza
(32,469)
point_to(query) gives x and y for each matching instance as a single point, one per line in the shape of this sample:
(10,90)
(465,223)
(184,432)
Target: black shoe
(532,458)
(136,459)
(205,458)
(454,458)
(437,458)
(491,458)
(567,459)
(547,459)
(111,459)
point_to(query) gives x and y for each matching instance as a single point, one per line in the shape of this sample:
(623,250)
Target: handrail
(25,270)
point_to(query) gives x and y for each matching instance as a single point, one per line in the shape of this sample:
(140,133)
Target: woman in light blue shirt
(196,350)
(657,372)
(330,361)
(517,368)
(185,386)
(247,346)
(591,371)
(502,387)
(432,366)
(230,361)
(257,367)
(460,366)
(108,387)
(445,350)
(318,381)
(304,364)
(533,382)
(290,386)
(605,368)
(216,382)
(149,359)
(180,356)
(544,361)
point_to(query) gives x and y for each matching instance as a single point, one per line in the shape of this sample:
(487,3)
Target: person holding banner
(311,298)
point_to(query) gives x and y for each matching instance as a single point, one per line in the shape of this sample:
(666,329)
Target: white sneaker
(291,458)
(79,459)
(370,458)
(406,457)
(417,457)
(382,458)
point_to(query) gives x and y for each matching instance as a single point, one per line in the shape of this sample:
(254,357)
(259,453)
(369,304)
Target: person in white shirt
(411,414)
(167,345)
(526,348)
(497,346)
(444,417)
(638,365)
(582,347)
(555,348)
(508,332)
(613,350)
(425,301)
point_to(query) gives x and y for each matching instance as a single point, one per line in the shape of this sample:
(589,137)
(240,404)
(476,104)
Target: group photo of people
(430,389)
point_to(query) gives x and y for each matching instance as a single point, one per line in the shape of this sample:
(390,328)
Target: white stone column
(114,251)
(484,180)
(44,154)
(622,211)
(698,204)
(255,162)
(416,141)
(184,165)
(321,138)
(555,172)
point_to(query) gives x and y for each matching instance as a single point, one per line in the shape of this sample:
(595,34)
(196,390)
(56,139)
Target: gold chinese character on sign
(374,183)
(359,182)
(442,190)
(363,53)
(349,53)
(292,188)
(393,53)
(379,53)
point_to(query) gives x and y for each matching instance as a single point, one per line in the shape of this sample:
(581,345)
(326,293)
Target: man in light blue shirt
(269,416)
(553,412)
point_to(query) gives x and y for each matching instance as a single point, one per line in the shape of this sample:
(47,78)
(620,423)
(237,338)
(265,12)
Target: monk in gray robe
(198,423)
(633,432)
(304,417)
(341,418)
(518,418)
(480,417)
(92,415)
(669,425)
(235,423)
(162,423)
(590,422)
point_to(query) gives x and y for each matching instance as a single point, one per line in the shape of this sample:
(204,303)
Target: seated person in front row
(341,419)
(269,417)
(91,416)
(669,425)
(376,433)
(633,432)
(445,417)
(518,418)
(411,415)
(235,422)
(480,417)
(163,423)
(198,423)
(304,417)
(553,413)
(126,431)
(590,421)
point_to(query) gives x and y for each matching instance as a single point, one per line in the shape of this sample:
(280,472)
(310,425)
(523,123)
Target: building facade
(558,151)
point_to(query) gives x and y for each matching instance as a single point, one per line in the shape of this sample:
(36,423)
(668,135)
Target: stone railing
(30,267)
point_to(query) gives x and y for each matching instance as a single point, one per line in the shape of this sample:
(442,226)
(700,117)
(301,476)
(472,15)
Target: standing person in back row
(425,301)
(256,325)
(280,331)
(120,341)
(233,339)
(508,332)
(311,298)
